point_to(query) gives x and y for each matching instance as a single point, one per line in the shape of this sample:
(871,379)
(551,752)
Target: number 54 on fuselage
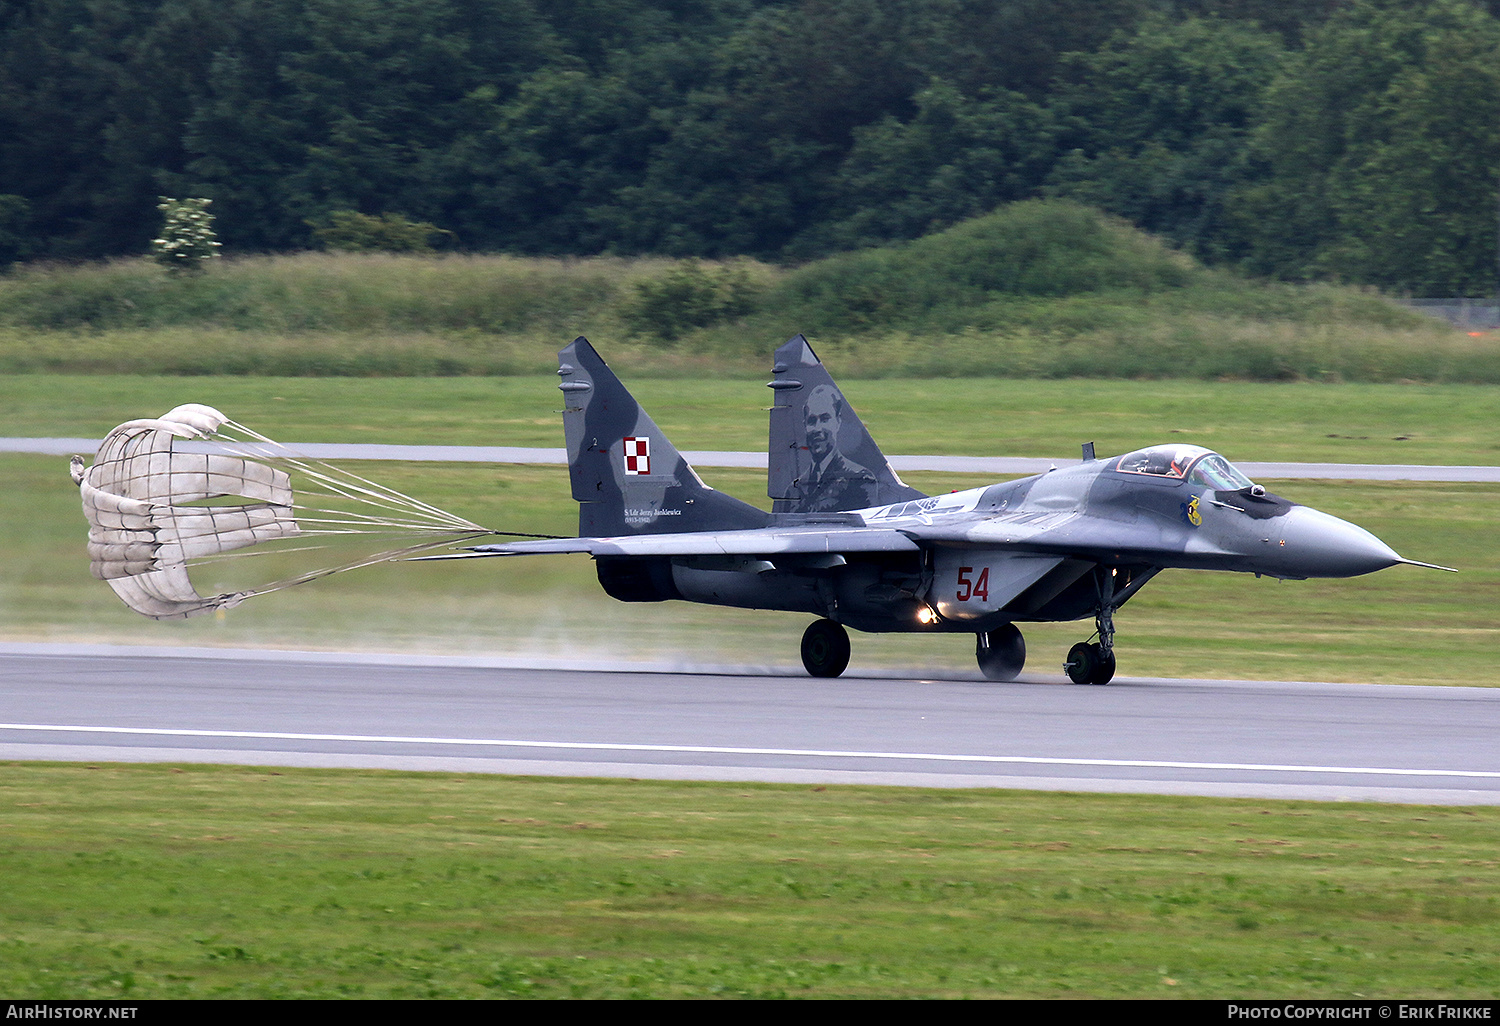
(849,542)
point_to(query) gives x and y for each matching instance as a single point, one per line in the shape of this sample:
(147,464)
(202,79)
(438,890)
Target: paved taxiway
(705,458)
(1274,740)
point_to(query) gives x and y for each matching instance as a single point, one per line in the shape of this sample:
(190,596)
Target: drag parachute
(146,498)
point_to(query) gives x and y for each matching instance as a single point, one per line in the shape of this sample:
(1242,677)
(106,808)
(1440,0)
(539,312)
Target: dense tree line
(1355,139)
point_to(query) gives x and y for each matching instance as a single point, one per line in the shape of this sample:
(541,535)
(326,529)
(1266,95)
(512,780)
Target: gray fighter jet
(849,542)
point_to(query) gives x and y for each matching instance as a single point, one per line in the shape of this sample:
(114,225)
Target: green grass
(140,882)
(1403,625)
(1037,290)
(144,882)
(1295,421)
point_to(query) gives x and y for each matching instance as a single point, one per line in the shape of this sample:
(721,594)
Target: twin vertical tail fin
(821,458)
(627,477)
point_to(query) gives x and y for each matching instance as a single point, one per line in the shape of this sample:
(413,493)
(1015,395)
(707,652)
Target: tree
(326,105)
(1155,125)
(955,158)
(1378,152)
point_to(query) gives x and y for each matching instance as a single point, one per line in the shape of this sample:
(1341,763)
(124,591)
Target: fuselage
(1034,549)
(1194,511)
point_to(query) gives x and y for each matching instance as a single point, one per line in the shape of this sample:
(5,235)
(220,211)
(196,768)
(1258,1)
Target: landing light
(926,615)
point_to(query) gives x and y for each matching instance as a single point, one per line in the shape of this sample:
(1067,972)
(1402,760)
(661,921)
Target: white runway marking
(271,735)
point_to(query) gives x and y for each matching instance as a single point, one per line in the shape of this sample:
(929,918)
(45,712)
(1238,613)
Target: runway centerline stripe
(603,746)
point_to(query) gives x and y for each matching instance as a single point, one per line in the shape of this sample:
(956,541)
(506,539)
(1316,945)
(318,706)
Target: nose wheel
(1088,663)
(1093,662)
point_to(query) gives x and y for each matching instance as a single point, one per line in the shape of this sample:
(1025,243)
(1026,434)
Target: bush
(688,297)
(352,232)
(1037,249)
(187,242)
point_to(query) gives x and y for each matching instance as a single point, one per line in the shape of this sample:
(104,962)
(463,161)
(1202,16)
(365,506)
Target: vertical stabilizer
(627,477)
(821,459)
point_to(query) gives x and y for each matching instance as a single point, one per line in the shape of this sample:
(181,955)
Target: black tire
(825,648)
(1081,661)
(1104,667)
(1001,652)
(1087,664)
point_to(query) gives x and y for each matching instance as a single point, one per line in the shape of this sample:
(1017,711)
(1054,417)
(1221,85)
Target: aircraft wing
(1068,533)
(755,542)
(1039,532)
(1059,531)
(1015,529)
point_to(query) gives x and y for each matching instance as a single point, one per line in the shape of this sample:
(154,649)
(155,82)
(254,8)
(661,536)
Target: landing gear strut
(1001,652)
(1094,662)
(825,648)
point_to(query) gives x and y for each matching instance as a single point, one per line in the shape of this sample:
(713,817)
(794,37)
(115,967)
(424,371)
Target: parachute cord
(348,484)
(390,555)
(457,539)
(342,483)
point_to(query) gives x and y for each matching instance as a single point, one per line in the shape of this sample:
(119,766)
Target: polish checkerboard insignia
(637,455)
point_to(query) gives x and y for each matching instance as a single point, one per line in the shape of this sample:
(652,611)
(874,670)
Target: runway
(1229,738)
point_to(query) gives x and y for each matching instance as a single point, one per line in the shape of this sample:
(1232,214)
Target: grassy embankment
(144,882)
(1043,290)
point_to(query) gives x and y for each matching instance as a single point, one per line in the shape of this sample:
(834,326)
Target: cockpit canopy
(1191,463)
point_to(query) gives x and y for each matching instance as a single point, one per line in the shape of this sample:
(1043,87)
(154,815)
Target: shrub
(352,232)
(187,241)
(687,297)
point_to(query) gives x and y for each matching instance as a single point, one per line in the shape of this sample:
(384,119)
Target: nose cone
(1314,544)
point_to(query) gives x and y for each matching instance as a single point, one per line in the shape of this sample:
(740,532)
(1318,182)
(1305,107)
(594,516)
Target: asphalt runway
(1230,738)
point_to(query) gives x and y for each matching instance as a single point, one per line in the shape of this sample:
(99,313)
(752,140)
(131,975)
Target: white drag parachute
(145,499)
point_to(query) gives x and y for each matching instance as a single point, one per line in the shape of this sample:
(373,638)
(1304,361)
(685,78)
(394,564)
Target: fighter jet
(848,542)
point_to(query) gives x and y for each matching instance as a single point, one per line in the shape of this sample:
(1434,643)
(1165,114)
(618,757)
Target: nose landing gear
(1089,663)
(1094,662)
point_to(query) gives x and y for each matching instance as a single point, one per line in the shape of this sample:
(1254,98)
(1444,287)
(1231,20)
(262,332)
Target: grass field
(141,881)
(1294,421)
(190,881)
(1402,625)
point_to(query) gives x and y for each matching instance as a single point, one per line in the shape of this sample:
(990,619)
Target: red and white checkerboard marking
(637,455)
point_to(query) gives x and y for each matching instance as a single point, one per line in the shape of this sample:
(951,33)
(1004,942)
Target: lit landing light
(1315,544)
(926,615)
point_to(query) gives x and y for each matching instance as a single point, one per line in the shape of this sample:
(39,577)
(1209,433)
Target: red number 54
(978,588)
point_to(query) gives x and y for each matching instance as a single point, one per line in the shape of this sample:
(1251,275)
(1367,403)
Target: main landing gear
(1094,662)
(1001,652)
(825,648)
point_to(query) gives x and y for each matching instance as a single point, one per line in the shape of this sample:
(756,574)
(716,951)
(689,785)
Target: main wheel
(1001,652)
(1087,664)
(825,648)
